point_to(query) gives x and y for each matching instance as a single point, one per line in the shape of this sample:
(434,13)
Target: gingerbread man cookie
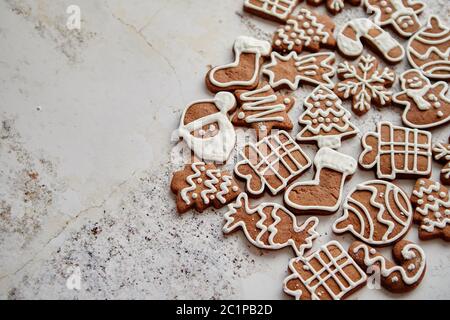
(330,273)
(428,50)
(325,120)
(323,194)
(402,276)
(306,30)
(262,110)
(276,10)
(441,152)
(432,203)
(270,226)
(401,14)
(427,105)
(397,152)
(201,185)
(334,6)
(244,72)
(349,40)
(287,71)
(365,83)
(377,212)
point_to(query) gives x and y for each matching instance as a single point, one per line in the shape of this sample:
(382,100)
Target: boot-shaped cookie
(323,194)
(244,72)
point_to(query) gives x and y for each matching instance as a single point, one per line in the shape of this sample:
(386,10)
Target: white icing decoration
(279,9)
(190,181)
(225,188)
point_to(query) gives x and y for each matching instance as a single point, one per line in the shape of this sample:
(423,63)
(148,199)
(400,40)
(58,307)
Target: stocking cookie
(206,129)
(270,226)
(402,276)
(432,203)
(305,30)
(201,186)
(441,152)
(330,273)
(244,72)
(397,152)
(427,105)
(428,50)
(400,14)
(271,163)
(325,120)
(349,40)
(262,110)
(276,10)
(287,71)
(365,83)
(323,195)
(334,6)
(377,212)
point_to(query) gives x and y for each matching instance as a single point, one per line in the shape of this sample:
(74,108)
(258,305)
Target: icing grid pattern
(278,8)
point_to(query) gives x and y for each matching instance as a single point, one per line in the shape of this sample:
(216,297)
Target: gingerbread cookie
(334,6)
(349,40)
(400,14)
(432,203)
(244,72)
(365,83)
(397,152)
(201,186)
(402,276)
(323,195)
(306,30)
(276,10)
(271,163)
(428,50)
(262,110)
(427,105)
(287,71)
(270,226)
(377,212)
(325,120)
(330,273)
(206,129)
(441,152)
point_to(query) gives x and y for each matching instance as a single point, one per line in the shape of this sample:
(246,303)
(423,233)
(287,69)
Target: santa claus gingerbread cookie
(426,105)
(276,10)
(201,185)
(403,275)
(244,72)
(306,30)
(270,226)
(441,152)
(334,6)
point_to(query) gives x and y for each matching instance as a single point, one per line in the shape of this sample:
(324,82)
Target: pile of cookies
(378,213)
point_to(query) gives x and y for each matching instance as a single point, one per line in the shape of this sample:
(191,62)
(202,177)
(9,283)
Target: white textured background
(86,119)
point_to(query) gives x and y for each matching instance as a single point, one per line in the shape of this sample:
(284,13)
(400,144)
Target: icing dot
(381,195)
(327,120)
(411,267)
(335,119)
(420,201)
(388,10)
(447,212)
(202,168)
(317,104)
(437,104)
(287,28)
(383,3)
(316,38)
(287,101)
(432,97)
(442,194)
(278,42)
(199,180)
(235,188)
(310,31)
(306,25)
(194,196)
(293,35)
(437,214)
(405,25)
(212,197)
(314,121)
(218,174)
(372,251)
(394,279)
(298,42)
(329,104)
(410,22)
(430,198)
(320,119)
(241,115)
(440,114)
(300,17)
(212,128)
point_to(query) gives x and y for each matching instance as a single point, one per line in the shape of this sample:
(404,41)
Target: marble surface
(86,155)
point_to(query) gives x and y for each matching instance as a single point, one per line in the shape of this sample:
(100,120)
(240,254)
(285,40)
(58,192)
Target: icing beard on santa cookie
(206,128)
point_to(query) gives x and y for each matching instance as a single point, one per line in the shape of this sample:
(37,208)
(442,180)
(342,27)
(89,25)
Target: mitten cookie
(325,120)
(365,83)
(432,203)
(271,163)
(270,226)
(323,195)
(427,105)
(377,212)
(349,40)
(397,152)
(276,10)
(402,276)
(400,14)
(262,110)
(306,30)
(428,50)
(201,185)
(244,72)
(206,129)
(441,152)
(334,6)
(330,273)
(287,71)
